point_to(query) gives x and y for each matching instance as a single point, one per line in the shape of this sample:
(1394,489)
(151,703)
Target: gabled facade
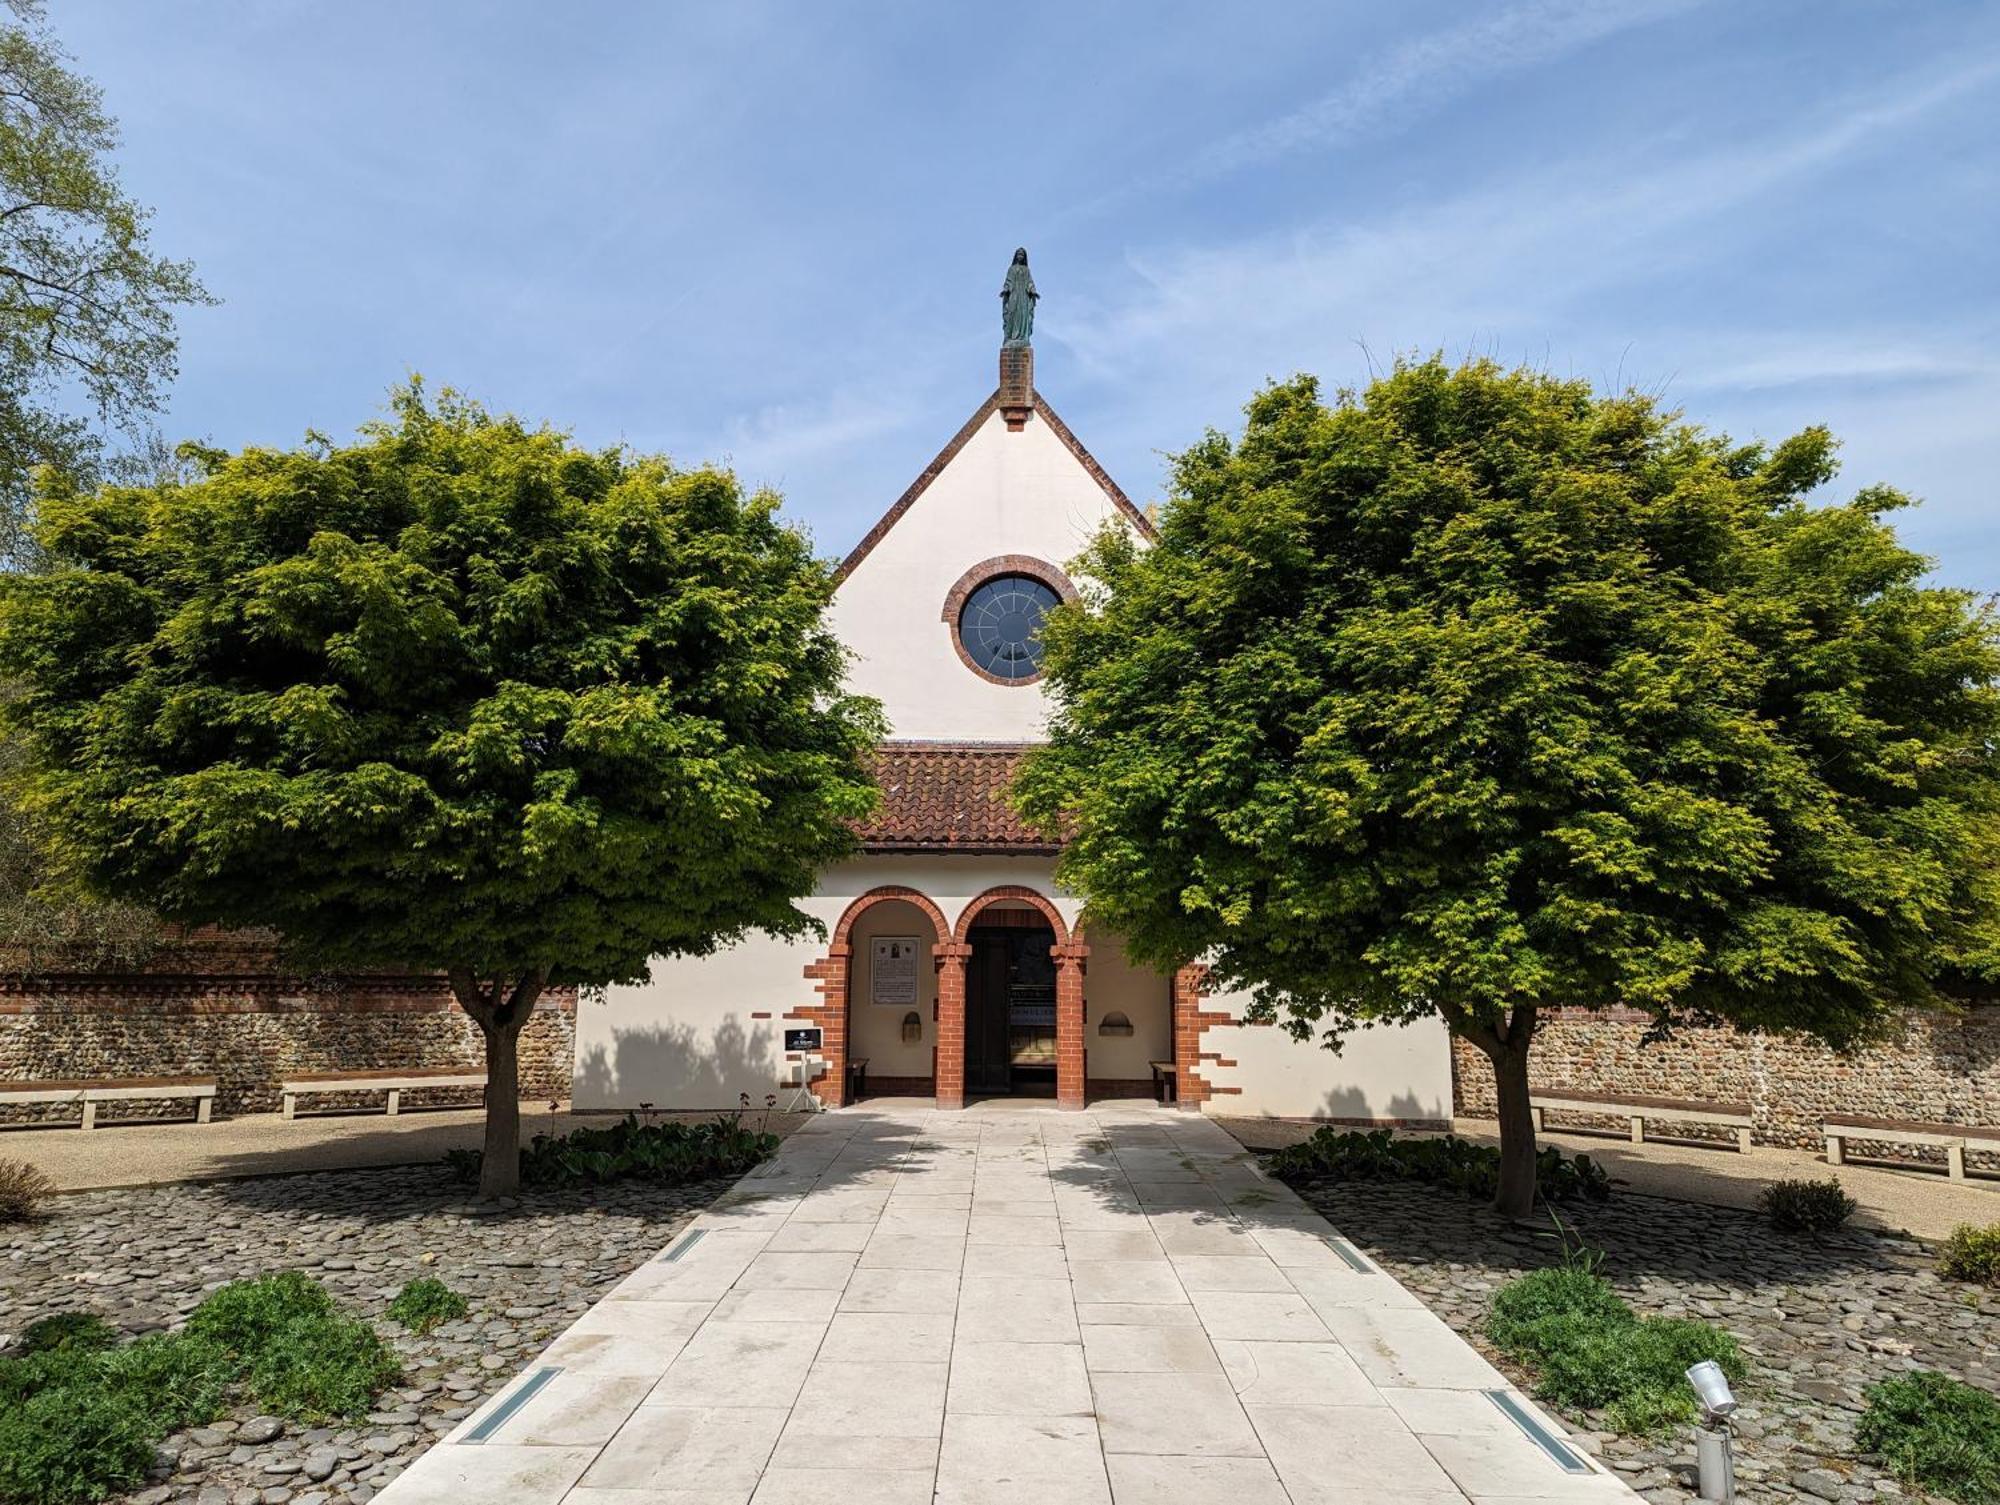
(954,966)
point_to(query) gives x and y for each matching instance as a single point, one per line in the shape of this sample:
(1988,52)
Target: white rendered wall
(1020,493)
(685,1038)
(875,1030)
(1111,984)
(1390,1072)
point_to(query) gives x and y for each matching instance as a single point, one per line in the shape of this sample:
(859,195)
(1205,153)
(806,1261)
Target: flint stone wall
(1938,1067)
(220,1009)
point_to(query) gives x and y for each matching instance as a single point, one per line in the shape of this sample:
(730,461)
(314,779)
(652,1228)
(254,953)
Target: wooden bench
(87,1094)
(1951,1138)
(1166,1081)
(1636,1110)
(394,1082)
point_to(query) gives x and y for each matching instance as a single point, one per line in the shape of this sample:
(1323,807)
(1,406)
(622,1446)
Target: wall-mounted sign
(892,970)
(801,1039)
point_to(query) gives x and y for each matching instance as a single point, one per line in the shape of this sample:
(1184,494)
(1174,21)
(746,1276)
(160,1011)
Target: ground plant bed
(527,1267)
(1818,1320)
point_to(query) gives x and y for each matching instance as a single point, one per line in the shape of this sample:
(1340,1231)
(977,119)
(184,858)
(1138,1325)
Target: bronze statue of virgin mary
(1017,302)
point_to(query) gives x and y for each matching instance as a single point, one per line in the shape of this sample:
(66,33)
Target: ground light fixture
(1715,1452)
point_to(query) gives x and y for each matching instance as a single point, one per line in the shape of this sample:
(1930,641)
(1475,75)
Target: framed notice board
(892,970)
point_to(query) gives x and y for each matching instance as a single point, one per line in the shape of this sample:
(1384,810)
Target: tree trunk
(500,1012)
(1506,1046)
(1515,1197)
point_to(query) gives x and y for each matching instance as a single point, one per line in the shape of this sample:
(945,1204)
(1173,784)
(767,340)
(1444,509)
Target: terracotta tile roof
(948,797)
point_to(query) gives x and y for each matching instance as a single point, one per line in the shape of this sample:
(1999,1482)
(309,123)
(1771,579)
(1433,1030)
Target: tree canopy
(459,695)
(1478,693)
(86,307)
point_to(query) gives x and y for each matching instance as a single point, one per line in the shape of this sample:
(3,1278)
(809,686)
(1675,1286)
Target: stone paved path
(1006,1304)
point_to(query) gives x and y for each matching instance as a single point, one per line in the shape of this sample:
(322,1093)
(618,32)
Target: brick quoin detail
(831,973)
(1190,1019)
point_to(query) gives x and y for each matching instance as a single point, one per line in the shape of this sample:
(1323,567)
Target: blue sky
(774,234)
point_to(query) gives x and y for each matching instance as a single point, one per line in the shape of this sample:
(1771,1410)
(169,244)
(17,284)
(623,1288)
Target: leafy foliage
(1478,693)
(1588,1349)
(82,1332)
(1937,1433)
(80,1416)
(425,1303)
(1444,1160)
(1972,1253)
(1807,1206)
(85,305)
(23,1186)
(457,696)
(673,1153)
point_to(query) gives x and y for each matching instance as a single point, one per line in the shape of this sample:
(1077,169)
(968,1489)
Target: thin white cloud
(1427,71)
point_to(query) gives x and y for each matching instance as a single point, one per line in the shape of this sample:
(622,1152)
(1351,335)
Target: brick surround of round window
(978,575)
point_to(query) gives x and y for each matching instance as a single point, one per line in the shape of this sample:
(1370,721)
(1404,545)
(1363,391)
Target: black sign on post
(801,1039)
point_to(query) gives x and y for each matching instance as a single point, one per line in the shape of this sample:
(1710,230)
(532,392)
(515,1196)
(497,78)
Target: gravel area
(1818,1321)
(143,1258)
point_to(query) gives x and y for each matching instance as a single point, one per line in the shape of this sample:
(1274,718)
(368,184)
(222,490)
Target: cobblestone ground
(143,1259)
(1818,1321)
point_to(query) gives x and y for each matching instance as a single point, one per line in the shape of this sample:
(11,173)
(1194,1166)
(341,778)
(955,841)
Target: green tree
(1479,694)
(458,696)
(86,308)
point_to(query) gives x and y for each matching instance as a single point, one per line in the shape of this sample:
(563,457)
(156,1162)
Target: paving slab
(1111,1307)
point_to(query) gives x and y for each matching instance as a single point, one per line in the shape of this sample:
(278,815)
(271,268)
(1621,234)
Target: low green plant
(1807,1206)
(425,1303)
(1587,1349)
(1972,1253)
(1444,1160)
(673,1153)
(84,1331)
(81,1415)
(1936,1433)
(22,1188)
(295,1352)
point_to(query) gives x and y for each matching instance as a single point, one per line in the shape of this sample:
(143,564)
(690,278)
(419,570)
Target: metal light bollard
(1714,1445)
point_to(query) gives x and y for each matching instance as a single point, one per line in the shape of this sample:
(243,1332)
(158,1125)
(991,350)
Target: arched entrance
(1019,998)
(834,973)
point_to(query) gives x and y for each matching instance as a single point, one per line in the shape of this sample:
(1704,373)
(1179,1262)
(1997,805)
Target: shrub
(296,1354)
(424,1303)
(80,1417)
(83,1331)
(1588,1349)
(1445,1160)
(1807,1206)
(1936,1433)
(1972,1253)
(22,1187)
(665,1154)
(74,1442)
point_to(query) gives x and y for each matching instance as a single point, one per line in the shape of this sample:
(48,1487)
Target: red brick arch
(1004,893)
(830,972)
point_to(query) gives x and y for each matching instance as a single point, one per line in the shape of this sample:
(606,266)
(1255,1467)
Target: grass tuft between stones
(80,1416)
(425,1303)
(1936,1433)
(1972,1253)
(1586,1349)
(1800,1206)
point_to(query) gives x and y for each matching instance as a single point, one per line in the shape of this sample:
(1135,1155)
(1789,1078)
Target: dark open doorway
(1010,1007)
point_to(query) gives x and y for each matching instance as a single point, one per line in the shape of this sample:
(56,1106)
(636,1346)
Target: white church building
(954,967)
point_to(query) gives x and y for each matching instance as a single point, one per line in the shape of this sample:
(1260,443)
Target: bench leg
(1954,1161)
(89,1115)
(291,1106)
(1638,1131)
(1835,1150)
(202,1105)
(1742,1141)
(395,1102)
(1535,1118)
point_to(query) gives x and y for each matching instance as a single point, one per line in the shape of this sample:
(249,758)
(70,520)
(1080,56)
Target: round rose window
(1000,626)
